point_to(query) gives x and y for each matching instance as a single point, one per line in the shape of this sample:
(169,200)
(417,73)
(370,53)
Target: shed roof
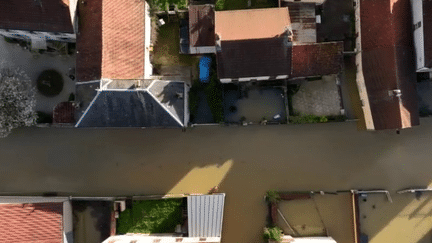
(36,15)
(254,58)
(388,62)
(251,23)
(64,112)
(32,222)
(205,215)
(201,25)
(111,40)
(303,21)
(317,59)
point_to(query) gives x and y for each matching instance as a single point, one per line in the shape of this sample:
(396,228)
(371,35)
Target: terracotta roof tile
(123,39)
(36,15)
(111,40)
(252,23)
(36,222)
(317,59)
(201,25)
(388,62)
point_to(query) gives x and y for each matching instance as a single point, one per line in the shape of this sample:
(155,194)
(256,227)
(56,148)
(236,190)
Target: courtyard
(33,64)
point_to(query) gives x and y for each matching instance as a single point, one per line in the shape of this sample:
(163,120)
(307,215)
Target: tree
(17,100)
(163,4)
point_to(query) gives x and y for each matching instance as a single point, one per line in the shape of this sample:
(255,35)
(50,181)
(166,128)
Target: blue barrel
(204,69)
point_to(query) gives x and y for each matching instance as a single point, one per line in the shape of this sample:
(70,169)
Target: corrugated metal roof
(205,215)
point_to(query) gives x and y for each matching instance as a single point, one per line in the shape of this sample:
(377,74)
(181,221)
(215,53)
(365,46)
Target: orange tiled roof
(34,222)
(251,23)
(111,40)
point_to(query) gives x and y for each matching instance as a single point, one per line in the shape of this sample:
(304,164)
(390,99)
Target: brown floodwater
(244,161)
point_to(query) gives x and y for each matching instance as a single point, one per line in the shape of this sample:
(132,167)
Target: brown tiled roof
(427,32)
(317,59)
(64,112)
(254,58)
(111,40)
(35,15)
(35,222)
(89,41)
(388,62)
(251,24)
(201,25)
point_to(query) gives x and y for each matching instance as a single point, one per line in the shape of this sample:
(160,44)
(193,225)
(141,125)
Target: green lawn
(167,48)
(243,4)
(151,216)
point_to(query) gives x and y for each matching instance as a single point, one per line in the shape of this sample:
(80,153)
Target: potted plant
(273,234)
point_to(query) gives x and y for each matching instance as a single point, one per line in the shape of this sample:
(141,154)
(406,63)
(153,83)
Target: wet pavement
(244,161)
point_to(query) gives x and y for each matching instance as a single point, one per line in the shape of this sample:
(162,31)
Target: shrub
(302,119)
(273,196)
(220,4)
(71,97)
(273,233)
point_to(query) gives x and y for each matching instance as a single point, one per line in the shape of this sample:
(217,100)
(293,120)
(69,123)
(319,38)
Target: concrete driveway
(34,64)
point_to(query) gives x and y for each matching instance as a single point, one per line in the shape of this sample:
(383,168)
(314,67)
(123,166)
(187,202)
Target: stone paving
(33,64)
(319,97)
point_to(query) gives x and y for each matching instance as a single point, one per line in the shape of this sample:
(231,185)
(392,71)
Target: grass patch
(213,92)
(167,48)
(151,216)
(194,99)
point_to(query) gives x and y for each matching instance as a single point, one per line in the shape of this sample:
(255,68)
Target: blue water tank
(204,69)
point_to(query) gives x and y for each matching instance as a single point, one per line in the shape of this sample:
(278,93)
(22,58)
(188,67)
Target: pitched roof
(34,222)
(254,58)
(251,23)
(317,59)
(201,25)
(388,62)
(159,105)
(36,15)
(111,40)
(89,41)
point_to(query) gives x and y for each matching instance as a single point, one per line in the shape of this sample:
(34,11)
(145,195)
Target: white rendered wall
(417,9)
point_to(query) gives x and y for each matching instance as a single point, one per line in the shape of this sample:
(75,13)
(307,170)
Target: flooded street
(244,161)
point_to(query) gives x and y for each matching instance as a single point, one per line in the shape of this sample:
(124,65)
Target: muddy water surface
(244,161)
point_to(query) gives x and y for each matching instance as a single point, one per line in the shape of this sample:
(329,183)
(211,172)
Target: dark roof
(64,112)
(317,59)
(427,32)
(36,15)
(254,58)
(117,52)
(89,41)
(33,222)
(201,25)
(127,109)
(303,21)
(388,62)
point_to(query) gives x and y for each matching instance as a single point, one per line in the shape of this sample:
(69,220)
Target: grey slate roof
(135,108)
